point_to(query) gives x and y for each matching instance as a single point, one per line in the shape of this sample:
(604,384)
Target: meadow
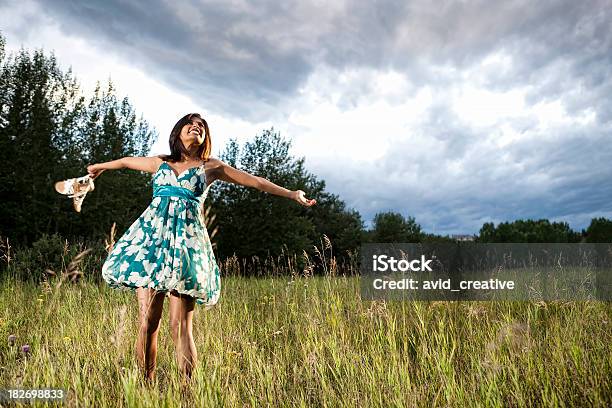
(309,341)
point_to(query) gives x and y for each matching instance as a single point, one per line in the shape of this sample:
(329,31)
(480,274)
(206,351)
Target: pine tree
(29,155)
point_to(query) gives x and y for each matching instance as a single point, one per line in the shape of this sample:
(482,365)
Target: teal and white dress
(167,248)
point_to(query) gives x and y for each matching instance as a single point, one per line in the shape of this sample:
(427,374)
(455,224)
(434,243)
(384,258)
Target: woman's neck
(189,158)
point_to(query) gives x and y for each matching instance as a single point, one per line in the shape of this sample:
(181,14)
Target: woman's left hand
(299,196)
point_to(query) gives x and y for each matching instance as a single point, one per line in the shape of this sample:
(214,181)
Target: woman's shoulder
(156,162)
(213,163)
(159,159)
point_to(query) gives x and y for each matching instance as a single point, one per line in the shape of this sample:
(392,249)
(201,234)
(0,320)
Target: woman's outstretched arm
(219,170)
(148,164)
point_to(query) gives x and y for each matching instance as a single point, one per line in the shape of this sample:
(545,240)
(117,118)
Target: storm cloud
(455,112)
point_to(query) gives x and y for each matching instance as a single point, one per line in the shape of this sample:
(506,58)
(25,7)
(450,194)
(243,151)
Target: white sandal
(76,188)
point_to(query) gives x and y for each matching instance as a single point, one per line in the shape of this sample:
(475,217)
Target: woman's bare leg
(181,326)
(151,304)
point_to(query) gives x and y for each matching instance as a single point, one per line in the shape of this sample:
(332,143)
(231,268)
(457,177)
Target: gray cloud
(249,56)
(564,176)
(250,60)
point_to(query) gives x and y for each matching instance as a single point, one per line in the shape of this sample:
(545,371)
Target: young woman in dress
(167,250)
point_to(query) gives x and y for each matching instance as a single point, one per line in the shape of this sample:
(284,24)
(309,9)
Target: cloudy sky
(454,112)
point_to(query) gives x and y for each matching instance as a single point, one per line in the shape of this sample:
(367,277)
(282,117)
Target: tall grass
(305,340)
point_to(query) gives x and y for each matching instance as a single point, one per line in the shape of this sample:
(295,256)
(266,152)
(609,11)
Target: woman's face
(193,133)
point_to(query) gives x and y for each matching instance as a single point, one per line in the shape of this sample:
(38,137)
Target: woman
(167,251)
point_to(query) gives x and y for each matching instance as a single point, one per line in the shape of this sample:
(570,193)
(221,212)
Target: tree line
(49,131)
(598,231)
(394,227)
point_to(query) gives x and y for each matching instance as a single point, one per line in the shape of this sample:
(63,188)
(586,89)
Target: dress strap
(160,166)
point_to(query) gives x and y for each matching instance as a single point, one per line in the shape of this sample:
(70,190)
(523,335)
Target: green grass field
(310,342)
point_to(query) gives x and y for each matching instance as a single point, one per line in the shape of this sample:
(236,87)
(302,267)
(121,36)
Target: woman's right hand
(95,170)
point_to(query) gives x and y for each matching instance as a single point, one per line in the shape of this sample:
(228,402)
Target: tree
(599,231)
(393,227)
(342,225)
(252,223)
(487,232)
(32,85)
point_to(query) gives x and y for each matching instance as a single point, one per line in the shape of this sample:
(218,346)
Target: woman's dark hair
(177,150)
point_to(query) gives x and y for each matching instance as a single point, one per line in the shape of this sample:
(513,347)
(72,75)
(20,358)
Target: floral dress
(167,248)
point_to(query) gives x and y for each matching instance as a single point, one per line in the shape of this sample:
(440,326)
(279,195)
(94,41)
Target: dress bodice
(190,184)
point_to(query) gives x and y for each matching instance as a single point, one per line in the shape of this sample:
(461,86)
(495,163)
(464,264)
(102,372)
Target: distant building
(463,237)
